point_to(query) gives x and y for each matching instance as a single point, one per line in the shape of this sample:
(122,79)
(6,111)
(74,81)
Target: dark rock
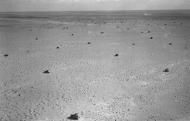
(102,32)
(46,72)
(89,43)
(170,43)
(73,117)
(6,55)
(166,70)
(116,55)
(151,37)
(133,44)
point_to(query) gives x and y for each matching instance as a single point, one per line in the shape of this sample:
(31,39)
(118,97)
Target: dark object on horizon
(46,72)
(73,117)
(166,70)
(116,55)
(6,55)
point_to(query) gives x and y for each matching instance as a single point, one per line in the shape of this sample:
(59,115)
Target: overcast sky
(74,5)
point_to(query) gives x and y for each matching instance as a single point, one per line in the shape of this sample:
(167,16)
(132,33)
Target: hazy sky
(70,5)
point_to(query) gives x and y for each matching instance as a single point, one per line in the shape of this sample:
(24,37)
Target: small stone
(166,70)
(46,72)
(170,43)
(36,38)
(73,117)
(89,43)
(151,37)
(133,44)
(116,55)
(6,55)
(102,32)
(57,47)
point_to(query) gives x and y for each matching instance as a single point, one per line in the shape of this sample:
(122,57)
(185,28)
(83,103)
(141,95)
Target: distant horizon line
(98,10)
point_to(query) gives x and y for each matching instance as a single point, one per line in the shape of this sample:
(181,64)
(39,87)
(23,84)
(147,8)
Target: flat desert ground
(92,68)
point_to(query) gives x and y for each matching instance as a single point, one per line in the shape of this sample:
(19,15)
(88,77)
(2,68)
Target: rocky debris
(73,117)
(151,37)
(116,55)
(46,72)
(166,70)
(6,55)
(89,43)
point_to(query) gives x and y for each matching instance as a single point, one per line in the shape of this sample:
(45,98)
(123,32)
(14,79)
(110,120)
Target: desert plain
(91,66)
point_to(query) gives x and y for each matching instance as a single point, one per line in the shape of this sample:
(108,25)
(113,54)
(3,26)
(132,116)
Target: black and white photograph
(94,60)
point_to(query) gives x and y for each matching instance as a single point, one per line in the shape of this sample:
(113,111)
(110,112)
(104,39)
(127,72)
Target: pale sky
(74,5)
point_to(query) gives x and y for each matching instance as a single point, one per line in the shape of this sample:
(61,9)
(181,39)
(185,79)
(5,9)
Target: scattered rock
(166,70)
(46,72)
(6,55)
(89,43)
(148,31)
(73,117)
(116,55)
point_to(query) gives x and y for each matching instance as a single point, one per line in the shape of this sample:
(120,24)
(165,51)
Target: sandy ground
(126,70)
